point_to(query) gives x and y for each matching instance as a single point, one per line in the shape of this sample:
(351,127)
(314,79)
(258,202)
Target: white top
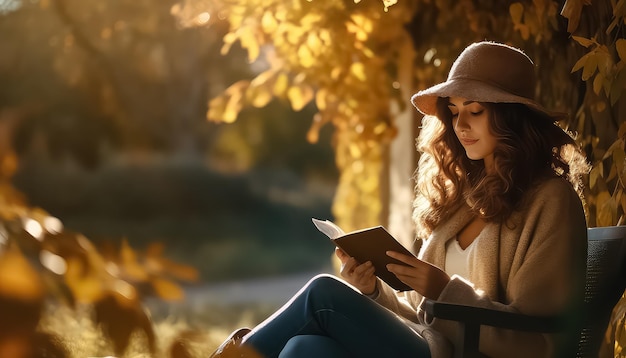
(457,259)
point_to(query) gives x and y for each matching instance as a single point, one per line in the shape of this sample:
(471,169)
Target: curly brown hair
(530,148)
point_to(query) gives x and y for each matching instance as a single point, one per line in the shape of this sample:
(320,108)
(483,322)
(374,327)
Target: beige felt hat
(487,72)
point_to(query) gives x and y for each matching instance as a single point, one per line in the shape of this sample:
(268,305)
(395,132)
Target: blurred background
(103,124)
(111,137)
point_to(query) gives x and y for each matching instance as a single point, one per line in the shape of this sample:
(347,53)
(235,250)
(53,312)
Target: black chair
(605,285)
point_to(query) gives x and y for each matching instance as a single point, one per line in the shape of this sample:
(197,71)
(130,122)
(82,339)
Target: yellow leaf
(232,108)
(180,271)
(367,52)
(621,132)
(618,161)
(216,109)
(320,99)
(358,70)
(294,34)
(516,10)
(604,215)
(18,279)
(261,97)
(336,72)
(305,56)
(524,31)
(83,283)
(280,86)
(249,41)
(310,20)
(268,22)
(233,101)
(299,96)
(617,145)
(591,65)
(581,62)
(605,62)
(167,289)
(598,83)
(131,266)
(355,151)
(326,37)
(593,177)
(363,22)
(620,45)
(314,43)
(313,133)
(228,39)
(262,78)
(583,41)
(258,92)
(155,249)
(572,9)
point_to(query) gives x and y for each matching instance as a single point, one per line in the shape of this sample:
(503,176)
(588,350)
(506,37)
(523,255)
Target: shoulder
(553,190)
(552,200)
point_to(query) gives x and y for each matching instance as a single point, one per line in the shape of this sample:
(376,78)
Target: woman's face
(471,126)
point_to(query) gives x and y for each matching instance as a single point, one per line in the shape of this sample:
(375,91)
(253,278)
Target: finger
(341,254)
(407,259)
(360,269)
(349,265)
(402,270)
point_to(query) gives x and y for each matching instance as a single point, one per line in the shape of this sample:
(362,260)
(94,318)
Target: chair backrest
(605,284)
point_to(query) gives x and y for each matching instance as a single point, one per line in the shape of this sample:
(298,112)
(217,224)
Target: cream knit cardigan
(534,264)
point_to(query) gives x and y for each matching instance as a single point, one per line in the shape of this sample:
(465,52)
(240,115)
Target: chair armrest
(500,319)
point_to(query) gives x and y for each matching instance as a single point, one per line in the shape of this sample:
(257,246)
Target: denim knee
(313,346)
(325,283)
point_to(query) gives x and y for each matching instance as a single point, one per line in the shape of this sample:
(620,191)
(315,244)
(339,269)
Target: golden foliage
(602,128)
(334,55)
(39,259)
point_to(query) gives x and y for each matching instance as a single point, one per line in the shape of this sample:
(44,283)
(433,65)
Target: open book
(369,244)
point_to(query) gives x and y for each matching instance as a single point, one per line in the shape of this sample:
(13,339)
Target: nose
(461,123)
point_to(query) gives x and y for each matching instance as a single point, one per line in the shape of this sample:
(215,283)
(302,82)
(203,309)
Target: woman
(498,199)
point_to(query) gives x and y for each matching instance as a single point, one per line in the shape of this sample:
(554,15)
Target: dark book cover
(369,244)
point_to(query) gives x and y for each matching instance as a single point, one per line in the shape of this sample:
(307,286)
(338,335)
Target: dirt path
(271,290)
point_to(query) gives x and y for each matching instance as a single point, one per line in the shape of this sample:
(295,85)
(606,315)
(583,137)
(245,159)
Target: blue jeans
(328,318)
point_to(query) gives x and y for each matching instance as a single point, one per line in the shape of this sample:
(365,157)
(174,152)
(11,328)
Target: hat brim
(426,100)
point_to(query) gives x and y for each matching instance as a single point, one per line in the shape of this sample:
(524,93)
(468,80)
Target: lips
(467,142)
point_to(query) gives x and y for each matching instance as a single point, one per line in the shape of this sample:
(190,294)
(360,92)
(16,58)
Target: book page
(328,228)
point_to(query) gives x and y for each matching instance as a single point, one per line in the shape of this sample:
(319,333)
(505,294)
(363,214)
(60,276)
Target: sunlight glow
(4,235)
(53,262)
(125,289)
(7,6)
(430,54)
(34,228)
(203,18)
(52,225)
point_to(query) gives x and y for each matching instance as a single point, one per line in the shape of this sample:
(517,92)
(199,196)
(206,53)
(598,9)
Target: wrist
(374,294)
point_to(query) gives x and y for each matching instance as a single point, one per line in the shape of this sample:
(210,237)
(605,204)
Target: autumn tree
(343,56)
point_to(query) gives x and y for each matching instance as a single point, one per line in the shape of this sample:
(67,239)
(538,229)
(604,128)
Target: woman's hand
(358,275)
(424,278)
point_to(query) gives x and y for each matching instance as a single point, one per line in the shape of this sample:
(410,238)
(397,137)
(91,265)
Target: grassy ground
(77,334)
